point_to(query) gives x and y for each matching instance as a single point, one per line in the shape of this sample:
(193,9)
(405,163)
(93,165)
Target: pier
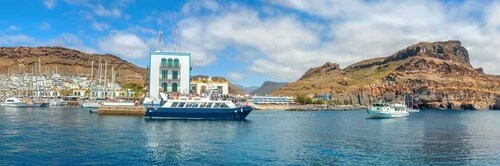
(121,110)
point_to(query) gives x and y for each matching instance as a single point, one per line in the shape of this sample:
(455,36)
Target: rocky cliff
(436,75)
(68,62)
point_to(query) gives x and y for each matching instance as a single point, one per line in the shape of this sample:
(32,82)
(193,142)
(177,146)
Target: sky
(249,42)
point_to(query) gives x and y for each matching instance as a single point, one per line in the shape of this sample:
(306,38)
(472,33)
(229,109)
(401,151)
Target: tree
(136,89)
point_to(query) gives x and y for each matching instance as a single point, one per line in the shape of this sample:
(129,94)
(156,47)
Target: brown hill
(436,74)
(68,62)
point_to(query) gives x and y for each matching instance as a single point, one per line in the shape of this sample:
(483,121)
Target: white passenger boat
(388,110)
(91,104)
(14,102)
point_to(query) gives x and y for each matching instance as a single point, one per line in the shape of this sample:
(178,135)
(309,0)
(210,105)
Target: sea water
(73,136)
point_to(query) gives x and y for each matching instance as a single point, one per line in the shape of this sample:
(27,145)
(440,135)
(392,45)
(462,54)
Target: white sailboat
(91,103)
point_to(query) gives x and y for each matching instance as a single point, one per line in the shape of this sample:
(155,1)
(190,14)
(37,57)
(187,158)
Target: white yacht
(13,102)
(388,110)
(91,104)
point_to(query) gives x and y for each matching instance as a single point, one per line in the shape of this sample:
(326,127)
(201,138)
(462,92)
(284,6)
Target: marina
(73,136)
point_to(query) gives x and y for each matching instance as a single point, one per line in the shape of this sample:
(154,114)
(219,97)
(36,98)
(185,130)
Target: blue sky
(249,42)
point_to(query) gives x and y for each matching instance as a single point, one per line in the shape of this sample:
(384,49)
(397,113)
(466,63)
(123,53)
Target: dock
(121,110)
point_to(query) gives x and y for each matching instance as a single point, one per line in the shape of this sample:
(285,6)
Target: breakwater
(326,108)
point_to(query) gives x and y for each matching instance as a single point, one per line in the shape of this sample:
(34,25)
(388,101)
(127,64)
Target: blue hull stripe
(239,113)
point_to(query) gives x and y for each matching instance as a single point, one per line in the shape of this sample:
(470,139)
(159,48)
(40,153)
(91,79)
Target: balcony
(170,78)
(174,66)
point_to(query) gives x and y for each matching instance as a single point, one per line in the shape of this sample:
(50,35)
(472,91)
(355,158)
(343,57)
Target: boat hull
(239,113)
(14,105)
(90,105)
(384,114)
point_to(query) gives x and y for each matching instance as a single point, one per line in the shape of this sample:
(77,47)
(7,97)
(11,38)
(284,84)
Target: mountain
(233,89)
(436,75)
(68,62)
(268,87)
(246,89)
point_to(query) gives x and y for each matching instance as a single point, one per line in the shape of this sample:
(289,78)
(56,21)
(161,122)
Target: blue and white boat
(199,108)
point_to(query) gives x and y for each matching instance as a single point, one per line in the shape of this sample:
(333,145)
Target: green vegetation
(364,75)
(307,100)
(137,89)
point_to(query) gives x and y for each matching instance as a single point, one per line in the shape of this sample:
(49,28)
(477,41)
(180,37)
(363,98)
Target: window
(202,105)
(189,105)
(164,86)
(174,104)
(163,62)
(175,74)
(209,105)
(176,62)
(224,105)
(174,87)
(195,105)
(216,105)
(170,62)
(181,104)
(164,74)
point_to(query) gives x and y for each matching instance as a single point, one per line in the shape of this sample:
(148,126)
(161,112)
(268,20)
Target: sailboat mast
(91,79)
(105,79)
(113,82)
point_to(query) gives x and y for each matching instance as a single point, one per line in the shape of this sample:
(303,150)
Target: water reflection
(188,140)
(445,141)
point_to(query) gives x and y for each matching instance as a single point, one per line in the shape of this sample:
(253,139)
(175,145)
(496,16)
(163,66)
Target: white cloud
(124,44)
(49,4)
(100,10)
(44,26)
(15,40)
(344,32)
(100,26)
(282,40)
(12,28)
(70,41)
(234,76)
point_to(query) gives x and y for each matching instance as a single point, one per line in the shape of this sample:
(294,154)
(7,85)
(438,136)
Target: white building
(169,72)
(201,85)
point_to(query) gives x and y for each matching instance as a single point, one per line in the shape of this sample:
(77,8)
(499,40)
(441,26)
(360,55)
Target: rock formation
(436,75)
(268,87)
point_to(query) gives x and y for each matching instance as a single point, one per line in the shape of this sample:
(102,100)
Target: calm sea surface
(69,136)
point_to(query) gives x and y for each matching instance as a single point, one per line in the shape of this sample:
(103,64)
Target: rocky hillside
(68,62)
(268,87)
(233,89)
(247,89)
(436,75)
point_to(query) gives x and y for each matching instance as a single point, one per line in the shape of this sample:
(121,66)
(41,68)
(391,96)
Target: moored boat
(388,110)
(199,108)
(13,102)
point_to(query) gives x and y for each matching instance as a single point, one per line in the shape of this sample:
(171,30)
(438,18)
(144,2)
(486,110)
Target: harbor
(73,136)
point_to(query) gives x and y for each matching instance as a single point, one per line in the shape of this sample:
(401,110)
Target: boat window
(189,105)
(217,105)
(181,104)
(224,105)
(10,100)
(195,105)
(209,105)
(174,104)
(202,105)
